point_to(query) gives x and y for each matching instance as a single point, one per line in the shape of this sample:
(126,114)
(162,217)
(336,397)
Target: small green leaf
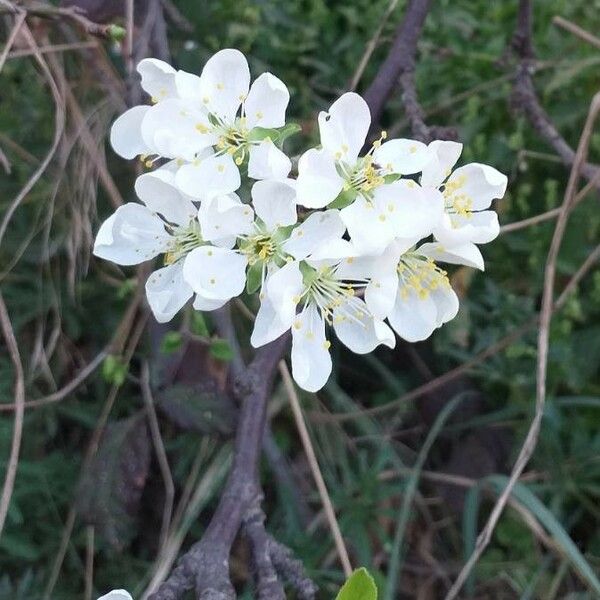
(114,370)
(359,586)
(171,342)
(199,326)
(116,33)
(221,349)
(277,136)
(254,277)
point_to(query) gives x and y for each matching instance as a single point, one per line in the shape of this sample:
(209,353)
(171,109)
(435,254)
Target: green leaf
(221,349)
(171,342)
(114,370)
(254,277)
(199,326)
(288,130)
(359,586)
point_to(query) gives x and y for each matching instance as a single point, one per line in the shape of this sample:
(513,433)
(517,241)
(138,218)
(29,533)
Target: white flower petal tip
(117,595)
(311,361)
(167,292)
(467,254)
(267,161)
(267,102)
(158,79)
(345,126)
(208,177)
(126,133)
(275,202)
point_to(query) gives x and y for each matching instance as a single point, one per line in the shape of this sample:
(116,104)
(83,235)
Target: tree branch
(205,566)
(399,67)
(524,98)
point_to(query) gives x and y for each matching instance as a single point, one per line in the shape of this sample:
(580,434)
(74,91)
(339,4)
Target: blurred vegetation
(60,300)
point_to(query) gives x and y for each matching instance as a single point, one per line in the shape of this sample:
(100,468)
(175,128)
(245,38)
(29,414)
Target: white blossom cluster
(353,242)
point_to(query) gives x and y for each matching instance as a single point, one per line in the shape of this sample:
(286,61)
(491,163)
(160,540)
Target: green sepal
(277,136)
(392,177)
(254,277)
(343,199)
(309,274)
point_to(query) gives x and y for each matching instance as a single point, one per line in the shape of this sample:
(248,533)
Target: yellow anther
(220,86)
(310,335)
(221,168)
(390,207)
(326,344)
(259,115)
(382,218)
(148,164)
(338,155)
(384,134)
(206,99)
(201,128)
(345,148)
(213,280)
(350,260)
(154,99)
(412,149)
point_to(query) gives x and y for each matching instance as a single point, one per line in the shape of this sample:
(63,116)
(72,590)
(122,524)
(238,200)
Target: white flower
(399,210)
(168,223)
(210,123)
(325,294)
(468,192)
(323,174)
(116,595)
(411,290)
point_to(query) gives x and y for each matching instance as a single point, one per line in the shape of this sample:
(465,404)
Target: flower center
(185,239)
(421,275)
(456,203)
(365,175)
(329,293)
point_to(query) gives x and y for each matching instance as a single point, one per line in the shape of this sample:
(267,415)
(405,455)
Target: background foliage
(65,308)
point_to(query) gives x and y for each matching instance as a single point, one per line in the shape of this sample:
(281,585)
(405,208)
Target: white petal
(275,202)
(126,133)
(283,288)
(158,78)
(158,192)
(344,128)
(175,128)
(478,227)
(318,229)
(267,102)
(443,156)
(318,181)
(116,595)
(224,82)
(215,273)
(380,292)
(466,254)
(167,292)
(212,176)
(268,325)
(402,156)
(224,217)
(132,235)
(361,332)
(267,161)
(207,304)
(446,303)
(479,183)
(311,361)
(412,317)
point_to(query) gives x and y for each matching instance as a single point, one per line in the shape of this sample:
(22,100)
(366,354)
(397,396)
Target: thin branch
(73,14)
(581,33)
(314,467)
(543,341)
(161,456)
(89,563)
(19,393)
